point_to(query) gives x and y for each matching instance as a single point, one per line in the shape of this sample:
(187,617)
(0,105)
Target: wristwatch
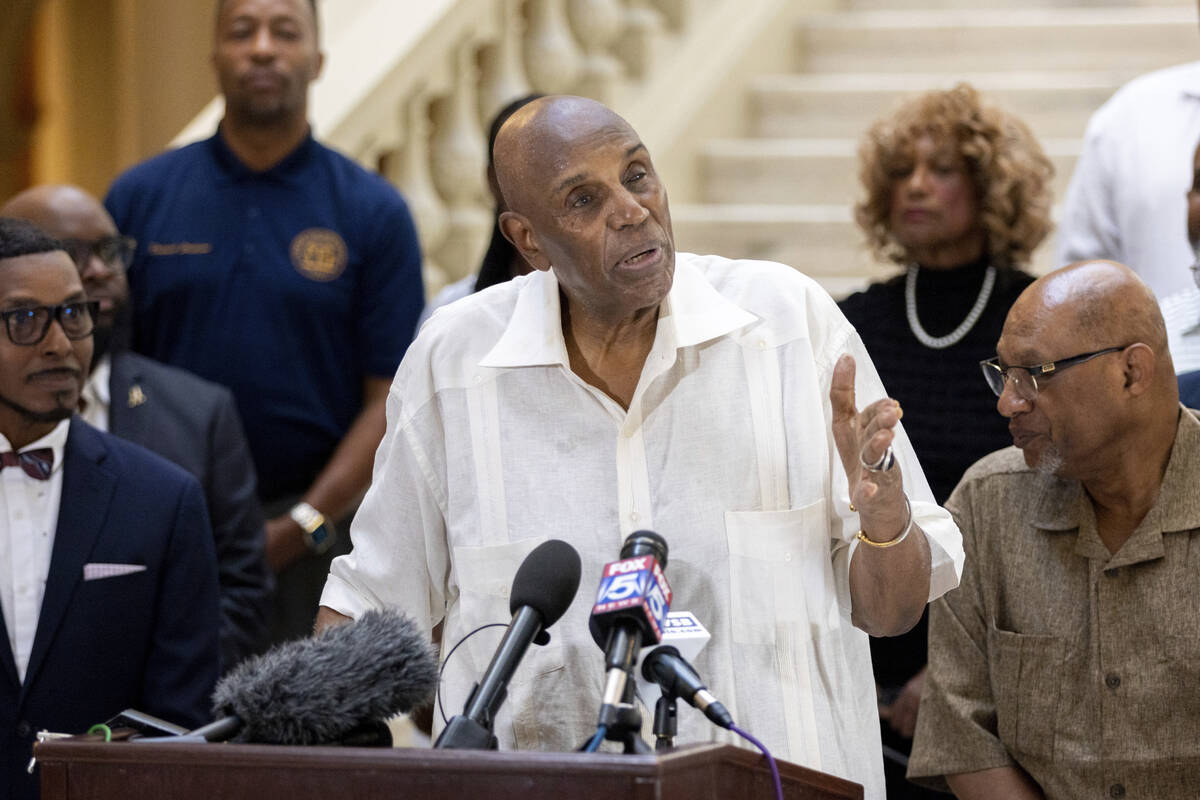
(319,533)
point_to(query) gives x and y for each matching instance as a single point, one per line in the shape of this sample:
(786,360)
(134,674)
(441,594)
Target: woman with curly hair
(957,195)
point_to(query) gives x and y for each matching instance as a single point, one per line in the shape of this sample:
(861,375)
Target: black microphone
(542,590)
(678,678)
(327,688)
(631,607)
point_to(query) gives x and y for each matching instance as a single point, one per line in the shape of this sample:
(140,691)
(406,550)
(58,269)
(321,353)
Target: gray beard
(1051,462)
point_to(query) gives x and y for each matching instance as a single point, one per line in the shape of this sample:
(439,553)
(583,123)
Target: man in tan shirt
(1067,664)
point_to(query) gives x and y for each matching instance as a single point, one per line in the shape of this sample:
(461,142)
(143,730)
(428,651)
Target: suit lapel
(8,665)
(87,490)
(125,398)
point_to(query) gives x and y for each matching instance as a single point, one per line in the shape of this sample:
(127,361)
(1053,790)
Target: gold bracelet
(862,535)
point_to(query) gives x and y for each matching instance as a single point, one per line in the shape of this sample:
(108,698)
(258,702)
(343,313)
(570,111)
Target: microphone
(630,610)
(677,678)
(683,632)
(542,590)
(323,689)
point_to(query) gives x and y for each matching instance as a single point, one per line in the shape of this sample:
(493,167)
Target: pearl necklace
(956,335)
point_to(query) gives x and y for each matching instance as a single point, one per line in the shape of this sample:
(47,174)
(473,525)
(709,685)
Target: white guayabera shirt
(494,445)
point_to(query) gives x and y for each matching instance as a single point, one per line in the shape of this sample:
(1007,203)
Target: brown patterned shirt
(1081,666)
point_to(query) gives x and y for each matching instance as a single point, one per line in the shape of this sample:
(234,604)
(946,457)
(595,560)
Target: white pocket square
(94,572)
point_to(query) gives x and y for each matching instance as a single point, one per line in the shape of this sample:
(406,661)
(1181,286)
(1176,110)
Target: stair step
(818,239)
(1053,104)
(925,5)
(762,171)
(964,39)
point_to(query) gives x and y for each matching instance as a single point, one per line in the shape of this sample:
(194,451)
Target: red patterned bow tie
(35,463)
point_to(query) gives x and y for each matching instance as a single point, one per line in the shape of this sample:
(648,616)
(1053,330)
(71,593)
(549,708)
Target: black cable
(442,669)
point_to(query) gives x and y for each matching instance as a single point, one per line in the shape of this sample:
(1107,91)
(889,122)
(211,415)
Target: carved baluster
(552,58)
(596,24)
(409,169)
(459,166)
(638,43)
(502,75)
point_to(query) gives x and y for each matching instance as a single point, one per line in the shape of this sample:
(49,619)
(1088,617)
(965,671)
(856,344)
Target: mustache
(54,371)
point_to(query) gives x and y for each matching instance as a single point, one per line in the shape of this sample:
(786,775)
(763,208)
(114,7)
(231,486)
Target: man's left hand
(863,437)
(902,713)
(285,542)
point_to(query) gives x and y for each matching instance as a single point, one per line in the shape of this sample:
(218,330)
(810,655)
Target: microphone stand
(666,725)
(623,723)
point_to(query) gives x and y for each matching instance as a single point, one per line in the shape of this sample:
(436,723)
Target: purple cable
(770,758)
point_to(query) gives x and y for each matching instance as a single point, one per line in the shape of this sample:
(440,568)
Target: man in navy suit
(169,411)
(108,580)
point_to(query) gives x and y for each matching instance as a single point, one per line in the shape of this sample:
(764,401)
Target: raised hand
(864,440)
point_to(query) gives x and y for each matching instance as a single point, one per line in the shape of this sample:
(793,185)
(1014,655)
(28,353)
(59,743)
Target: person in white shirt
(1128,195)
(622,386)
(1181,310)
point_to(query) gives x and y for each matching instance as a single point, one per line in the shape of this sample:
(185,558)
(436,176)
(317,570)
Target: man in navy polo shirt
(281,269)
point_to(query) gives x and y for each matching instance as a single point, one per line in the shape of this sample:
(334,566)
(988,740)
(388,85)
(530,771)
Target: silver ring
(885,462)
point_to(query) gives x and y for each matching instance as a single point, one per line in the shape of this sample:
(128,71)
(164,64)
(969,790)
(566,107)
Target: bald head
(584,199)
(65,212)
(1110,402)
(537,143)
(1096,303)
(101,255)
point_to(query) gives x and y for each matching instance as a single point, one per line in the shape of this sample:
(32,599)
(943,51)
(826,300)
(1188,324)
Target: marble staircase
(782,187)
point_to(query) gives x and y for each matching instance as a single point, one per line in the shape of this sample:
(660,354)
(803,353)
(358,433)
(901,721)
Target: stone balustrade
(482,54)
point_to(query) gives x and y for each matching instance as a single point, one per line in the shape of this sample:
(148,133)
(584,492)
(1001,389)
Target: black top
(949,411)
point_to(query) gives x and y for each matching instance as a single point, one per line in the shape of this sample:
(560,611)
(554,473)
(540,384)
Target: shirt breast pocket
(780,573)
(485,576)
(1024,671)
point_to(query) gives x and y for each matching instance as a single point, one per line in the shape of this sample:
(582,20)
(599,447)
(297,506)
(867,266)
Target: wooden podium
(89,770)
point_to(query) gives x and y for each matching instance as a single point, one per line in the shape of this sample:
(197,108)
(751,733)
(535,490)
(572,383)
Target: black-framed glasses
(115,251)
(28,326)
(1025,379)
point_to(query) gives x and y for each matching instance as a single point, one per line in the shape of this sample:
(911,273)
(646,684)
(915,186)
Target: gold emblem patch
(319,254)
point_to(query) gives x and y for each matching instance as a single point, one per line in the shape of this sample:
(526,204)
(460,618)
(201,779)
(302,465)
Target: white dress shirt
(1181,313)
(1127,198)
(29,513)
(96,394)
(493,445)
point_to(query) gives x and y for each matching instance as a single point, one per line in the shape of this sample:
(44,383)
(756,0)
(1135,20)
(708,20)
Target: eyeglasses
(28,326)
(1024,379)
(115,251)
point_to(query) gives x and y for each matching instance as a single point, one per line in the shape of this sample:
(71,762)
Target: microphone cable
(767,753)
(446,661)
(594,743)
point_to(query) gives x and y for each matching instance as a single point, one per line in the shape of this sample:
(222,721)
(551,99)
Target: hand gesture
(864,439)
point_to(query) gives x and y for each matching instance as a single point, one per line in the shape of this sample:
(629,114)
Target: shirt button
(1112,680)
(762,344)
(633,515)
(24,729)
(1116,790)
(1113,573)
(787,556)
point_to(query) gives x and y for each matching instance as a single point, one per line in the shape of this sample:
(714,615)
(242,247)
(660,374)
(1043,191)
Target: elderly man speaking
(622,386)
(1066,664)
